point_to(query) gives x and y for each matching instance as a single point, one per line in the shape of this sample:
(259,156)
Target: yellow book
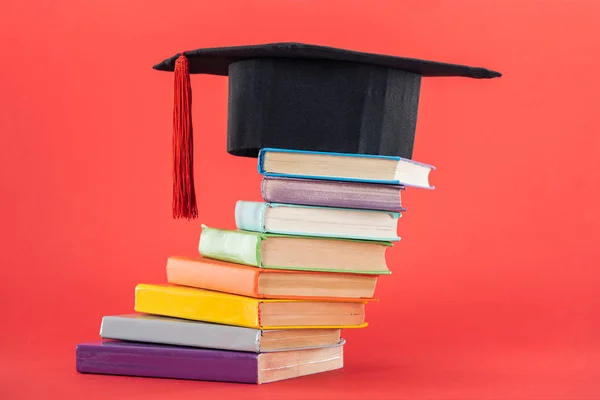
(229,309)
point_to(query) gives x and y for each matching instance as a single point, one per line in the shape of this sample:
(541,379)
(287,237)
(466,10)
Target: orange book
(205,273)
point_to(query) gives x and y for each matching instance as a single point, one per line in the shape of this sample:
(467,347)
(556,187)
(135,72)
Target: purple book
(164,361)
(340,194)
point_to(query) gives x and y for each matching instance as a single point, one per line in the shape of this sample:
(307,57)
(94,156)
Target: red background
(494,292)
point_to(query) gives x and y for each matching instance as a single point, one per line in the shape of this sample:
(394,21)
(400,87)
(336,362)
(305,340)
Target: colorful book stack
(333,131)
(267,301)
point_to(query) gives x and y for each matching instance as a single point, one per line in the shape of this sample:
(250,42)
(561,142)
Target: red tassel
(184,196)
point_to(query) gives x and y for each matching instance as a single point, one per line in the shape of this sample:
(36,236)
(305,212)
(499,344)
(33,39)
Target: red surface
(495,286)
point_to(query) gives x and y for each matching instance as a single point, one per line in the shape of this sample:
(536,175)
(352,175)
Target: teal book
(300,253)
(367,168)
(302,220)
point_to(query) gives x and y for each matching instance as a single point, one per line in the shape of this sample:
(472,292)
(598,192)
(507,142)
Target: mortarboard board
(302,97)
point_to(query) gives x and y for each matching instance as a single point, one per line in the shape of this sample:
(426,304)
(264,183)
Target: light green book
(302,253)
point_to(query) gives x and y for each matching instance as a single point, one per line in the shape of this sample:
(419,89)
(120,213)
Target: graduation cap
(302,97)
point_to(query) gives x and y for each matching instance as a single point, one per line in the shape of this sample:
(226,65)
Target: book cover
(244,247)
(209,306)
(180,332)
(162,361)
(329,193)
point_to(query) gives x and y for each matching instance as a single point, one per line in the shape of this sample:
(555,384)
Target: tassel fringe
(184,196)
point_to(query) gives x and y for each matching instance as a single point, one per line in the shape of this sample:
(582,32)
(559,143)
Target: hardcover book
(329,193)
(344,167)
(163,361)
(205,273)
(301,253)
(289,219)
(229,309)
(180,332)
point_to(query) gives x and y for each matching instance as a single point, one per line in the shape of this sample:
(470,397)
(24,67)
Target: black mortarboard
(303,97)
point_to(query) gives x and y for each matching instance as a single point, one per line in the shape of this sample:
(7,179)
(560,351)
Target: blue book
(344,167)
(300,220)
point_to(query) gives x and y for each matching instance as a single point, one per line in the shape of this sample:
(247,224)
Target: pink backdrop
(494,291)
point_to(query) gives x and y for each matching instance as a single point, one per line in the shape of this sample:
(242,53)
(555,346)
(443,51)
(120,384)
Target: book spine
(261,161)
(224,277)
(159,361)
(197,305)
(233,246)
(176,332)
(264,187)
(249,215)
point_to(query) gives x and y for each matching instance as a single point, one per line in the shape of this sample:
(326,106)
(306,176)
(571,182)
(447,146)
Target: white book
(300,220)
(173,331)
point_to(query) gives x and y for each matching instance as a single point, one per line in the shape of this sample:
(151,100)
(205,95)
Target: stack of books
(267,301)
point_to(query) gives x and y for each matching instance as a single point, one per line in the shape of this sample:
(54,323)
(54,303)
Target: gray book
(173,331)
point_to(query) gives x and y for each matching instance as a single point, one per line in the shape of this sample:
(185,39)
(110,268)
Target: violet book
(178,362)
(329,193)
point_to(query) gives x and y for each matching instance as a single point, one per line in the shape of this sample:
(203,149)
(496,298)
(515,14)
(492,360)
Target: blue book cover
(400,171)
